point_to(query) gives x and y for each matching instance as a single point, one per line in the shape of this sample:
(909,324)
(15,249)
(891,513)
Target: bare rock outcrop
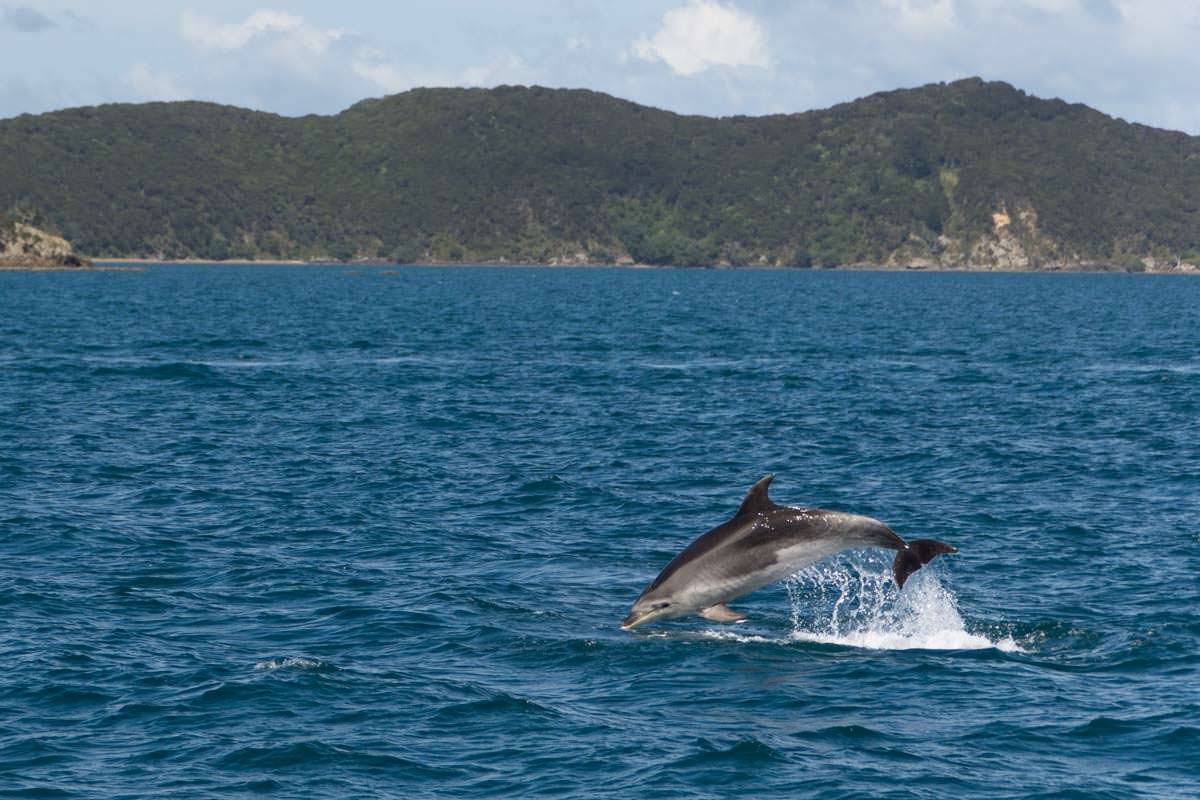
(23,245)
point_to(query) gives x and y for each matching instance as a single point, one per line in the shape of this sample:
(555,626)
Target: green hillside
(962,174)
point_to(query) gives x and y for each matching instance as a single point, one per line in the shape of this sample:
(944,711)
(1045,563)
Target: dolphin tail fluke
(918,553)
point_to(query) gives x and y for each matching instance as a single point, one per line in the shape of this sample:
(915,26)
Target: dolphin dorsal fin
(756,501)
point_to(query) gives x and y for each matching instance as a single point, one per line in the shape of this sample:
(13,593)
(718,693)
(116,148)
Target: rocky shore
(22,246)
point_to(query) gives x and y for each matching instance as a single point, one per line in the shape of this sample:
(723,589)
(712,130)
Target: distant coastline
(229,261)
(138,264)
(969,175)
(97,267)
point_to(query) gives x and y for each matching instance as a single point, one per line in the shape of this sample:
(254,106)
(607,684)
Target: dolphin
(764,543)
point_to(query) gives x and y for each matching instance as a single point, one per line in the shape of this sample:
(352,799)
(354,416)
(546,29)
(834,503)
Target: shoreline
(98,266)
(118,261)
(135,264)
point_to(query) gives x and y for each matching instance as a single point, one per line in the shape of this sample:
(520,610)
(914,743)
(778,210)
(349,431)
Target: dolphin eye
(661,605)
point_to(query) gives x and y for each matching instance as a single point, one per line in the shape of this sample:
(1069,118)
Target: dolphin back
(917,554)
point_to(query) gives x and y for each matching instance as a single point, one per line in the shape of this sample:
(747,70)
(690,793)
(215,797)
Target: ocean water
(334,532)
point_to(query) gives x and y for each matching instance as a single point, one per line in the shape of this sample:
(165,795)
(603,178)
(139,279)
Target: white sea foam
(257,363)
(410,359)
(245,363)
(290,661)
(697,364)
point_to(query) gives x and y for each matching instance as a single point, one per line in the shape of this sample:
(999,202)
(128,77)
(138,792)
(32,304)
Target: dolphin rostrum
(763,543)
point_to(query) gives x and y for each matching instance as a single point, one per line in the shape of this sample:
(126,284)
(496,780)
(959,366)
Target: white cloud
(704,34)
(150,85)
(390,77)
(1055,6)
(924,17)
(385,76)
(274,53)
(1159,29)
(506,68)
(265,23)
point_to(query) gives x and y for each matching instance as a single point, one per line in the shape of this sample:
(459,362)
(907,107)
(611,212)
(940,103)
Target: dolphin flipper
(917,554)
(721,613)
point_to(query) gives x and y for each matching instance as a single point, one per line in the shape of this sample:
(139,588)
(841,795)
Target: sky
(1134,59)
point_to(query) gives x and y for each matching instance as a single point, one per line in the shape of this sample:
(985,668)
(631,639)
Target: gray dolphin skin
(764,543)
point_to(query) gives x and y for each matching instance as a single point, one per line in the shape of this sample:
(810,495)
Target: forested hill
(969,173)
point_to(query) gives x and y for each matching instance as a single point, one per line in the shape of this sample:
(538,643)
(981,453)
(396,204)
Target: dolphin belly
(787,562)
(728,577)
(793,558)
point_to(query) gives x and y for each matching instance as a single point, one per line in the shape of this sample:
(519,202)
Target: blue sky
(1137,59)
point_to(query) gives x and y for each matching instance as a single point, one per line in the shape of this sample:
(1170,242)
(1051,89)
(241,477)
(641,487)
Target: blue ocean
(351,532)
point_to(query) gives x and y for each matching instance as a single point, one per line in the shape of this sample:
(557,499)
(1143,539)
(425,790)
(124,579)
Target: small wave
(543,487)
(1186,368)
(696,364)
(1184,735)
(166,371)
(293,754)
(410,359)
(1104,727)
(498,704)
(847,733)
(246,363)
(293,662)
(744,752)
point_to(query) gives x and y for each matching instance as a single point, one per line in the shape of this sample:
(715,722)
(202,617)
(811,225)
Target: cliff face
(1014,242)
(23,245)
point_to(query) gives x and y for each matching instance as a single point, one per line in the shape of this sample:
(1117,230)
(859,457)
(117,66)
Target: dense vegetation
(533,174)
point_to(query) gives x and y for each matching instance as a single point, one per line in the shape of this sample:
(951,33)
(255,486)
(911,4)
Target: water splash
(293,662)
(854,602)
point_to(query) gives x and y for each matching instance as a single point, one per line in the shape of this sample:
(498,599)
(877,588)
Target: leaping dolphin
(763,543)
